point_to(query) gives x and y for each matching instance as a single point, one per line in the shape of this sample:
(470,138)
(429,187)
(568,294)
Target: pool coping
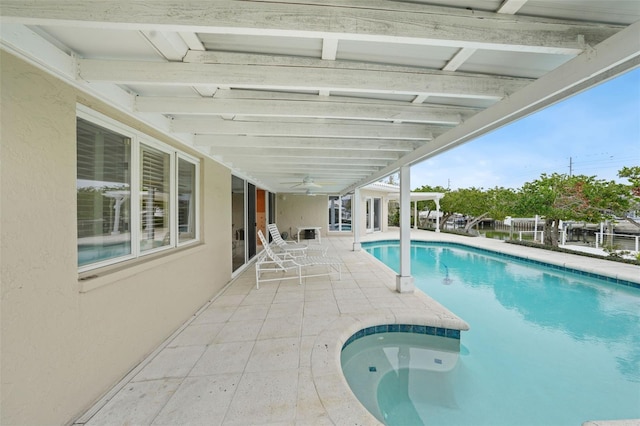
(342,406)
(557,266)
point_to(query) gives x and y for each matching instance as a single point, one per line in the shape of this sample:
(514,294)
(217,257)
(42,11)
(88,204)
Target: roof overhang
(294,94)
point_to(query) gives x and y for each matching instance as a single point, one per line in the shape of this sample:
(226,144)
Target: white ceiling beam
(337,176)
(267,95)
(329,49)
(297,78)
(458,59)
(24,42)
(306,143)
(511,7)
(310,162)
(276,108)
(33,48)
(284,62)
(266,166)
(304,153)
(169,45)
(415,24)
(212,125)
(419,99)
(192,40)
(609,59)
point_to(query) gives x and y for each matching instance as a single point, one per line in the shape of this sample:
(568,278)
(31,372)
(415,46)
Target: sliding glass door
(237,222)
(251,209)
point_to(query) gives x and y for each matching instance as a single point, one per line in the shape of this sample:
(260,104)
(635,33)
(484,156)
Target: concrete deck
(272,356)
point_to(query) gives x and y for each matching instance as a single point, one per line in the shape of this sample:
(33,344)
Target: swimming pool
(546,346)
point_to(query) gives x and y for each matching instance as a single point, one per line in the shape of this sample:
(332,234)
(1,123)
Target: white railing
(535,235)
(602,237)
(629,242)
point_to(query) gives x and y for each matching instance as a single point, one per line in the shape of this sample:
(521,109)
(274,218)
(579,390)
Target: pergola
(326,96)
(329,96)
(393,193)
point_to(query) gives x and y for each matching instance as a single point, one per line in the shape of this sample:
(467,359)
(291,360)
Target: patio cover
(320,96)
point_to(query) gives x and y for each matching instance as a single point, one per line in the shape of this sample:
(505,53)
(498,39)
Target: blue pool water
(546,347)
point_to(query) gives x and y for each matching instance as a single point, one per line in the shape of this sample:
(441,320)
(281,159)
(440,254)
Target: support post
(404,281)
(437,200)
(355,219)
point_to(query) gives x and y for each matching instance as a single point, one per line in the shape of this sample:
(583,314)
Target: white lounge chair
(296,249)
(269,261)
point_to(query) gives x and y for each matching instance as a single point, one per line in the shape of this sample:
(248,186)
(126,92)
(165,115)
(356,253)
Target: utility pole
(570,166)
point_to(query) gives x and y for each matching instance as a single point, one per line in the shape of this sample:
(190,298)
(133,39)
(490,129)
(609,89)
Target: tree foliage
(554,197)
(559,197)
(633,176)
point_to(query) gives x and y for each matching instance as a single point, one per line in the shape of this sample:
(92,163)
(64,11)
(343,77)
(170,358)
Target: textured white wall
(293,210)
(63,348)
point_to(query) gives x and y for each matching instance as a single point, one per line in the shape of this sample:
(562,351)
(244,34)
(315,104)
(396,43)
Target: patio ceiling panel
(243,141)
(317,129)
(340,92)
(310,108)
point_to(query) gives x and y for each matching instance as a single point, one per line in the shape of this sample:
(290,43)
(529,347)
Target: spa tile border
(403,328)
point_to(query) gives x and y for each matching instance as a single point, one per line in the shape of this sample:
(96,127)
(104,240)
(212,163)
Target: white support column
(437,200)
(415,214)
(404,281)
(355,219)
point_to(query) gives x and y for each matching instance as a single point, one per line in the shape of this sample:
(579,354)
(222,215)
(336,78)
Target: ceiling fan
(306,183)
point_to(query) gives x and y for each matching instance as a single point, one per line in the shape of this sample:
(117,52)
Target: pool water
(393,373)
(546,347)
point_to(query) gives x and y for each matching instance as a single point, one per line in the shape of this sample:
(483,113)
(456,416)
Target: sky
(596,131)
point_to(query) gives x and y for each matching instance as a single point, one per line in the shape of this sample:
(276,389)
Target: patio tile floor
(271,356)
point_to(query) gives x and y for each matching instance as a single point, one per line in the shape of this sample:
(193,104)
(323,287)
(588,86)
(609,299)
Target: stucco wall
(293,210)
(63,347)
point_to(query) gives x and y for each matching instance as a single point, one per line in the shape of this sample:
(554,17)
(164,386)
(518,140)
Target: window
(162,213)
(186,200)
(155,209)
(340,213)
(103,193)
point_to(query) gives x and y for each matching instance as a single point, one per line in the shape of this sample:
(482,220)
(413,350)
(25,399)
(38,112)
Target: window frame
(138,140)
(196,204)
(340,204)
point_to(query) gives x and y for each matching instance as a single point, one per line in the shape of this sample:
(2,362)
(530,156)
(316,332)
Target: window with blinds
(155,201)
(115,223)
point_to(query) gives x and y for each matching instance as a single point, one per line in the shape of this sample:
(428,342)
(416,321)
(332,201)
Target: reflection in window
(186,200)
(238,220)
(103,190)
(116,223)
(340,213)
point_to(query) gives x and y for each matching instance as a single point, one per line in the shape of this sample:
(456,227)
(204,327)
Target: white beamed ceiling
(342,92)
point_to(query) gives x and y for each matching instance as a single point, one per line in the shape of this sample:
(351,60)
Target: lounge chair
(269,261)
(296,249)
